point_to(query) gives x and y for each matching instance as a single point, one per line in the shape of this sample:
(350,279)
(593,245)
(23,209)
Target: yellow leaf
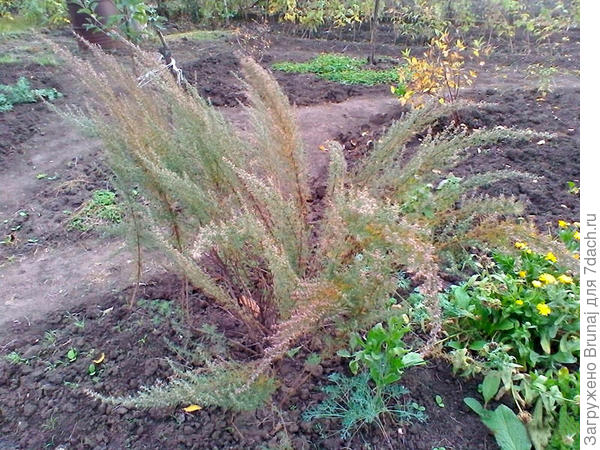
(192,408)
(100,359)
(476,53)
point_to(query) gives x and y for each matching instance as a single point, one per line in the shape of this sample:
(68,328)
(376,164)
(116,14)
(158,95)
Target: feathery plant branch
(232,214)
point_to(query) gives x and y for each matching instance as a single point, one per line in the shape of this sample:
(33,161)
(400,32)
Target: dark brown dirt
(46,393)
(554,161)
(24,121)
(215,75)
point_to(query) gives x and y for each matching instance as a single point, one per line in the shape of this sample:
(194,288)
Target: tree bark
(374,24)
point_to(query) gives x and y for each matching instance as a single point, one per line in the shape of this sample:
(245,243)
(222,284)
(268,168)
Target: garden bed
(45,392)
(43,399)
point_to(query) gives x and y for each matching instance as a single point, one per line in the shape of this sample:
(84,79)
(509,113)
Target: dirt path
(62,274)
(319,123)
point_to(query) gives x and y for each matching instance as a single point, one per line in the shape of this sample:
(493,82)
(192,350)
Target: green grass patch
(15,26)
(26,49)
(101,209)
(341,69)
(21,92)
(8,59)
(199,35)
(43,59)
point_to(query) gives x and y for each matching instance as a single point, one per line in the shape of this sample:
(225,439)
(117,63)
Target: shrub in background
(35,12)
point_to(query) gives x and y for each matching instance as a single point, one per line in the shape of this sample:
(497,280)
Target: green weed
(8,59)
(543,76)
(15,358)
(28,55)
(50,423)
(341,69)
(382,352)
(352,401)
(72,355)
(50,337)
(573,188)
(101,209)
(21,92)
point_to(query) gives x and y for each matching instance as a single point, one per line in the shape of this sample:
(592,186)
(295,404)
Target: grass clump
(8,59)
(233,214)
(341,69)
(352,401)
(378,361)
(102,208)
(21,92)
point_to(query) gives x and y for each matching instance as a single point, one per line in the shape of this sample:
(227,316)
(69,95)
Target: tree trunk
(161,9)
(374,24)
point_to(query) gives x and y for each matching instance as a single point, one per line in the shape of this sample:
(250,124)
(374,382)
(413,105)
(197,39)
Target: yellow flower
(528,251)
(576,235)
(522,274)
(576,224)
(520,245)
(519,302)
(536,283)
(546,278)
(543,309)
(563,224)
(550,257)
(565,279)
(576,255)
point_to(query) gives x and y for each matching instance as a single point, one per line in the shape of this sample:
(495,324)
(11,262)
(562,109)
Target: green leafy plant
(566,433)
(15,358)
(573,188)
(352,401)
(509,431)
(527,303)
(568,233)
(382,352)
(131,19)
(518,324)
(35,12)
(102,208)
(72,355)
(341,69)
(544,77)
(21,92)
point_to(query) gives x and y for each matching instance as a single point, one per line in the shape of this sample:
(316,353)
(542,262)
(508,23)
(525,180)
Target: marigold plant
(517,323)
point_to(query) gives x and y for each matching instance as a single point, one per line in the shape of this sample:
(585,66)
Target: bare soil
(46,394)
(48,270)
